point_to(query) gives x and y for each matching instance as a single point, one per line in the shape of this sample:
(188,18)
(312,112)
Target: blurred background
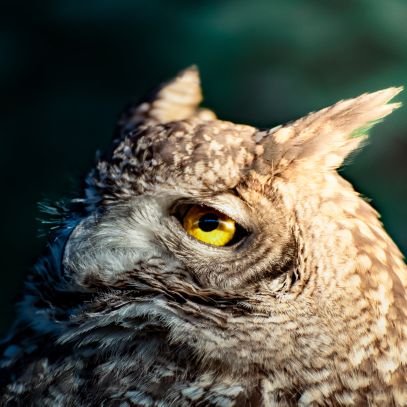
(67,67)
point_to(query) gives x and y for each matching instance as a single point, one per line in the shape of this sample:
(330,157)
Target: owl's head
(246,245)
(234,206)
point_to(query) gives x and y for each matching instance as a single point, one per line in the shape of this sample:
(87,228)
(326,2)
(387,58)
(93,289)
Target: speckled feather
(126,309)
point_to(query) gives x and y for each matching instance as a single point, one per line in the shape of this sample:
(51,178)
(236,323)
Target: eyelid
(233,207)
(226,203)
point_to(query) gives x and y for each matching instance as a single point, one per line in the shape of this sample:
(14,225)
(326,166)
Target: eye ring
(211,226)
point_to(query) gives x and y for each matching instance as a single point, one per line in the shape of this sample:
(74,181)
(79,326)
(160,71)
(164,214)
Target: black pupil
(208,222)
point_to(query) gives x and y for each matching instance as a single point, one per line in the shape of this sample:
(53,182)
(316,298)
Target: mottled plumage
(127,309)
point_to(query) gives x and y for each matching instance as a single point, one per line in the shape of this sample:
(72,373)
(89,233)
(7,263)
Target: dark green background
(68,66)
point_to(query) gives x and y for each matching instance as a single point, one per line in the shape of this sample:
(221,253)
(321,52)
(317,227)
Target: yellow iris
(209,226)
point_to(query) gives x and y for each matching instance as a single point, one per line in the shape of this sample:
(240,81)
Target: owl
(208,263)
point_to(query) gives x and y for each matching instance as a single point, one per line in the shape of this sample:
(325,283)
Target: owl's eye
(212,227)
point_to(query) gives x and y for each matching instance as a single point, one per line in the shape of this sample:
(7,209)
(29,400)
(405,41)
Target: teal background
(67,68)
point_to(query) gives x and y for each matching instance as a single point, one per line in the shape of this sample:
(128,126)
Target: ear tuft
(325,138)
(177,99)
